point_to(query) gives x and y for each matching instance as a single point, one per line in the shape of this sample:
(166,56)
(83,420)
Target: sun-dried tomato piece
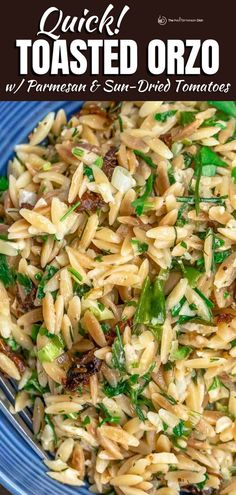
(167,138)
(28,206)
(110,162)
(82,368)
(5,349)
(92,109)
(25,300)
(195,491)
(224,318)
(110,337)
(90,201)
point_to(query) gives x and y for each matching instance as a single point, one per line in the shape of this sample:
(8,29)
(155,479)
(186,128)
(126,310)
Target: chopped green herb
(183,244)
(81,331)
(111,391)
(81,289)
(99,162)
(7,276)
(71,416)
(52,350)
(78,152)
(139,203)
(181,220)
(216,383)
(86,421)
(151,309)
(146,378)
(76,275)
(75,132)
(212,122)
(141,247)
(145,158)
(131,303)
(209,171)
(120,123)
(226,294)
(69,211)
(38,276)
(191,200)
(89,173)
(49,422)
(206,163)
(186,118)
(188,271)
(210,158)
(33,386)
(47,166)
(49,272)
(12,344)
(34,331)
(187,159)
(101,306)
(108,417)
(208,302)
(220,256)
(165,426)
(133,390)
(181,353)
(198,171)
(192,274)
(170,399)
(233,174)
(98,309)
(171,175)
(44,331)
(168,366)
(135,393)
(218,242)
(25,281)
(163,116)
(98,258)
(54,294)
(4,183)
(118,353)
(177,308)
(105,327)
(228,107)
(115,108)
(180,430)
(202,484)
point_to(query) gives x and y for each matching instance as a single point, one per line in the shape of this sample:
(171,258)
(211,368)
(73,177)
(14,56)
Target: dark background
(21,20)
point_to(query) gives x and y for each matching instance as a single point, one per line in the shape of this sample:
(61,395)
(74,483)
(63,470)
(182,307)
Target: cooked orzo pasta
(117,294)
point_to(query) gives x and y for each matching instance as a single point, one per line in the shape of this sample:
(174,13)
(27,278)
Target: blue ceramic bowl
(21,471)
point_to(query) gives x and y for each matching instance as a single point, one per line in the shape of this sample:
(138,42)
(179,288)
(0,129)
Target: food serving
(117,294)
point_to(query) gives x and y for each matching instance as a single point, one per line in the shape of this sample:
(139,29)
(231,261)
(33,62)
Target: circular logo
(162,20)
